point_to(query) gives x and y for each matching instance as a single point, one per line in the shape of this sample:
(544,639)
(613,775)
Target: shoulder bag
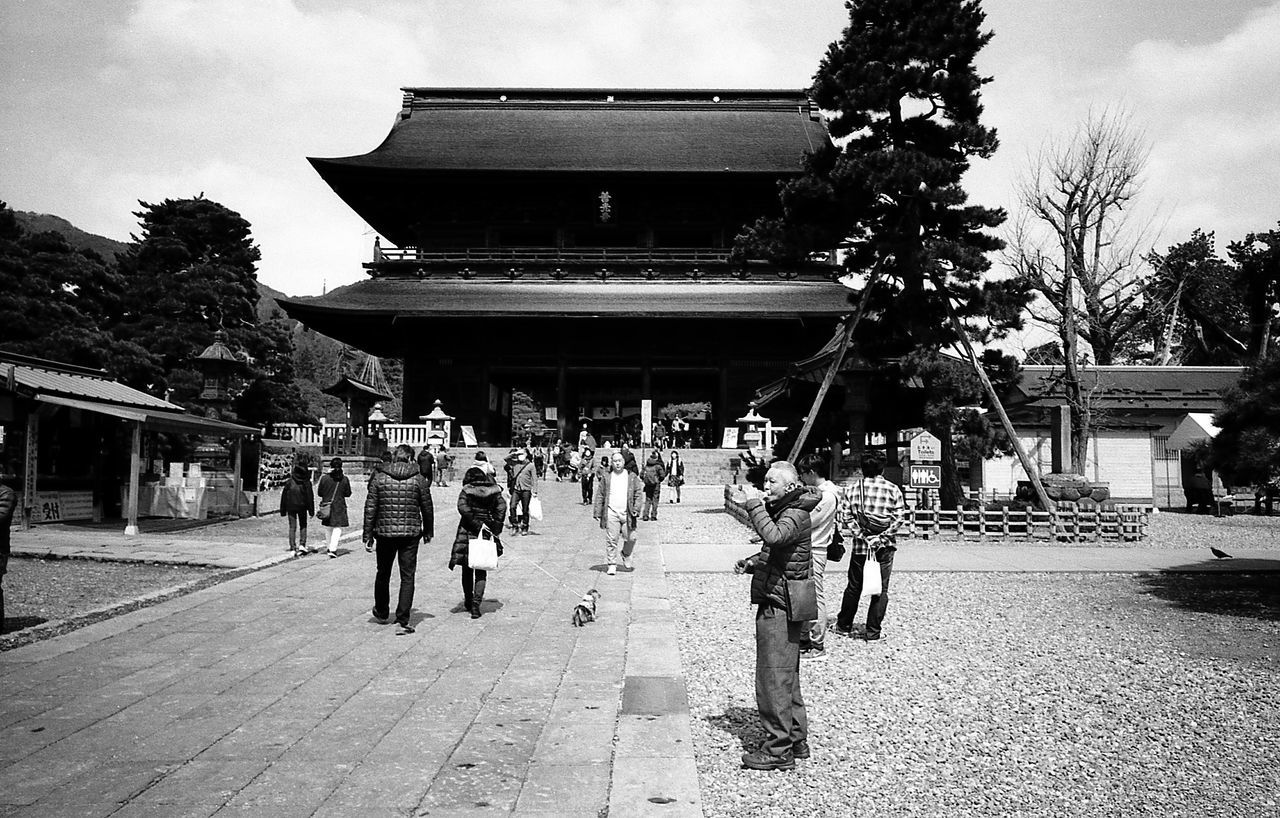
(326,506)
(482,551)
(802,600)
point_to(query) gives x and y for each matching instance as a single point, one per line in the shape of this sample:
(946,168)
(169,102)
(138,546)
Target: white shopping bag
(535,508)
(482,551)
(871,576)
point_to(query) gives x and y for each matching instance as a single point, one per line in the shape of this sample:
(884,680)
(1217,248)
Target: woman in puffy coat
(480,503)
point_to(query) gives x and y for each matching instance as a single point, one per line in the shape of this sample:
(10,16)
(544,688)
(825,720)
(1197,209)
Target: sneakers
(612,570)
(382,618)
(814,653)
(628,564)
(333,555)
(403,628)
(800,749)
(760,760)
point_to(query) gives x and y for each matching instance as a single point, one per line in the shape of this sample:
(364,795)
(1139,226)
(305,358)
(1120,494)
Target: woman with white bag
(482,510)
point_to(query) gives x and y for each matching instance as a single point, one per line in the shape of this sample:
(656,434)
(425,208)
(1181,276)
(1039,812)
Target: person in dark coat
(427,464)
(397,516)
(480,503)
(780,516)
(334,489)
(8,507)
(655,471)
(297,503)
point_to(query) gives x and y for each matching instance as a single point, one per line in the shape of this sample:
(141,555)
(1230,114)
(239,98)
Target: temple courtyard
(1013,680)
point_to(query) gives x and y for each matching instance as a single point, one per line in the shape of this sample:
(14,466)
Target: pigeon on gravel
(1222,555)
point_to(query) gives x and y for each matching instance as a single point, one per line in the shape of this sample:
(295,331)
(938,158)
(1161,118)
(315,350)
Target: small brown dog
(585,611)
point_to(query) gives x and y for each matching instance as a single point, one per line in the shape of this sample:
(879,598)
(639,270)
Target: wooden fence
(1078,524)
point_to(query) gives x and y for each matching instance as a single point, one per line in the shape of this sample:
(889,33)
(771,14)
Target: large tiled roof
(1185,388)
(596,130)
(434,297)
(57,379)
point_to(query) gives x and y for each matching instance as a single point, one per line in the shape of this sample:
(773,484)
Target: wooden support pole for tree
(1032,474)
(850,325)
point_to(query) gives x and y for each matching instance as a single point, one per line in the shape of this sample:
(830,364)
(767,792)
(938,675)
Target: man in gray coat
(397,516)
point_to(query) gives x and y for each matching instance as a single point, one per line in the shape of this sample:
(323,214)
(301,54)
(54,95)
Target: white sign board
(646,422)
(925,447)
(468,435)
(925,477)
(552,413)
(58,506)
(730,439)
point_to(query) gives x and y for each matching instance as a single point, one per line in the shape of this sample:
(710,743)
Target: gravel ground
(38,591)
(1004,694)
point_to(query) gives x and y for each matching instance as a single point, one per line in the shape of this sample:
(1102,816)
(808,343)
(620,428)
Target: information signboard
(60,506)
(926,447)
(468,435)
(730,439)
(925,477)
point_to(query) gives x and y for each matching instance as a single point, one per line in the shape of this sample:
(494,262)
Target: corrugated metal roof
(74,384)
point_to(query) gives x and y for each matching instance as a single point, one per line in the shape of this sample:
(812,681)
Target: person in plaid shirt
(882,506)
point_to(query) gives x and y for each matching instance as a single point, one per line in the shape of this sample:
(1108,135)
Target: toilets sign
(925,447)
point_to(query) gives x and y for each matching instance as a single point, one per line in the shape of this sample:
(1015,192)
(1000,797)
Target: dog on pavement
(585,611)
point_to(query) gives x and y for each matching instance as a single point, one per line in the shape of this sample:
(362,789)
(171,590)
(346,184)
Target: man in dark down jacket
(397,515)
(780,517)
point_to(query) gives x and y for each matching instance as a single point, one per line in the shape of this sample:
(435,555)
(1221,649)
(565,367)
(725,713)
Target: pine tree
(903,101)
(190,272)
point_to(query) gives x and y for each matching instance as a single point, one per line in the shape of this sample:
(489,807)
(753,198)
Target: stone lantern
(218,364)
(439,426)
(756,429)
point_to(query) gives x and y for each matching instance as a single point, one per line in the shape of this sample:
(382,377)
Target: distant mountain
(44,222)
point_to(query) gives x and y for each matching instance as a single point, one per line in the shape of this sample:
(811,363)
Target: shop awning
(1193,428)
(155,420)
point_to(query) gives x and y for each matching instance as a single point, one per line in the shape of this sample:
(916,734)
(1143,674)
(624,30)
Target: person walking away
(442,458)
(334,489)
(480,504)
(297,503)
(869,515)
(427,465)
(655,471)
(397,515)
(780,516)
(523,481)
(618,501)
(675,475)
(8,507)
(814,469)
(587,475)
(482,462)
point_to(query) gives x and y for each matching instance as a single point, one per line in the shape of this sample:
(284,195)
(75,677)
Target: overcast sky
(107,102)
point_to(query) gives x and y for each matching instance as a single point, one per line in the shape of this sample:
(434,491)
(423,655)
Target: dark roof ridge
(52,366)
(1140,368)
(692,94)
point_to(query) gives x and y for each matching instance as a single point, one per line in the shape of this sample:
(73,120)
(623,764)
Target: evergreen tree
(1247,449)
(191,272)
(902,95)
(60,303)
(1192,310)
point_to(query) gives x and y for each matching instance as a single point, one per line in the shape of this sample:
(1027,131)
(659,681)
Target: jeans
(520,508)
(652,496)
(473,582)
(405,551)
(616,528)
(297,528)
(853,592)
(778,698)
(587,485)
(819,628)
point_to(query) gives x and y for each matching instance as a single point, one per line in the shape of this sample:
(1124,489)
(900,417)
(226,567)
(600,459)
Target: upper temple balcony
(578,263)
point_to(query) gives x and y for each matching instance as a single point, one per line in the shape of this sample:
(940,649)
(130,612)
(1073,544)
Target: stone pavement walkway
(276,693)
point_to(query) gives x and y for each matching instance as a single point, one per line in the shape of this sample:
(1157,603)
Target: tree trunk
(950,493)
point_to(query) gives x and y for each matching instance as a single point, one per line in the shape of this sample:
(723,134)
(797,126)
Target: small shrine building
(575,245)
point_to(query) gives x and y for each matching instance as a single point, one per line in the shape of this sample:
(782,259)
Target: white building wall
(1125,462)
